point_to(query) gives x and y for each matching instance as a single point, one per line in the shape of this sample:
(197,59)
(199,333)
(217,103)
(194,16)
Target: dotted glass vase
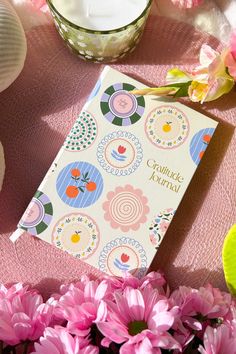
(100,46)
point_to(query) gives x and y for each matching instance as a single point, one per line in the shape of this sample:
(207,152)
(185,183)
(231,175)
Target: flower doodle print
(79,184)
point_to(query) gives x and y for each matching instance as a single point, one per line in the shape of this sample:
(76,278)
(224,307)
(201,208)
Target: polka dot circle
(83,133)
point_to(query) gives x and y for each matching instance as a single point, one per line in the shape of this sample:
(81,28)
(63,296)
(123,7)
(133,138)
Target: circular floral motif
(120,153)
(120,107)
(79,184)
(167,127)
(199,144)
(121,255)
(77,234)
(38,215)
(126,208)
(83,133)
(160,225)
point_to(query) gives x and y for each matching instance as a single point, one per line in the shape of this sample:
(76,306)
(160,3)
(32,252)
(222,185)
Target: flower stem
(7,349)
(25,348)
(1,347)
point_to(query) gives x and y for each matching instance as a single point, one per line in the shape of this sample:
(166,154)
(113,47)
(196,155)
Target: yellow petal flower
(198,91)
(215,88)
(177,76)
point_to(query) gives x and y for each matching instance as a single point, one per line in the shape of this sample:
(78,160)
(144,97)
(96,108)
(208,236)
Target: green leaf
(81,189)
(179,84)
(229,259)
(183,91)
(183,88)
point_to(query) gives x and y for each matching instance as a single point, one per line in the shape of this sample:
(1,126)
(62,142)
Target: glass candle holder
(100,46)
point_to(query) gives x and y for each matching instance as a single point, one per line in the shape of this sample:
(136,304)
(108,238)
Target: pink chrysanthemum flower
(199,306)
(187,4)
(9,293)
(218,340)
(23,315)
(59,341)
(140,319)
(154,279)
(81,305)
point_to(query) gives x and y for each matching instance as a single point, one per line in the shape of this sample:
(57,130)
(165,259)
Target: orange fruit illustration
(75,172)
(166,128)
(201,154)
(207,138)
(72,191)
(91,186)
(75,238)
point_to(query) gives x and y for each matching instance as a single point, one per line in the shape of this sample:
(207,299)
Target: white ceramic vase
(12,56)
(12,45)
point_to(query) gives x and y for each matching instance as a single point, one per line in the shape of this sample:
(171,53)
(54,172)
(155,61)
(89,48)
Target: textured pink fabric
(37,112)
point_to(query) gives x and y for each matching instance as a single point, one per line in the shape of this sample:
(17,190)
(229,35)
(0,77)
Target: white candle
(101,15)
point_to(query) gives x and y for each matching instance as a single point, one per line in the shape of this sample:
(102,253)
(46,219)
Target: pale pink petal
(230,62)
(89,291)
(192,323)
(142,347)
(150,298)
(163,321)
(123,308)
(160,306)
(114,331)
(207,55)
(101,291)
(88,309)
(135,303)
(101,312)
(59,341)
(22,331)
(156,279)
(91,349)
(106,342)
(233,44)
(70,344)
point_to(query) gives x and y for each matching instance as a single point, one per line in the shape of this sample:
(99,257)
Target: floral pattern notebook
(114,187)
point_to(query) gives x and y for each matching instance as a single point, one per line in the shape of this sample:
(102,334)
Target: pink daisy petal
(135,303)
(163,321)
(113,331)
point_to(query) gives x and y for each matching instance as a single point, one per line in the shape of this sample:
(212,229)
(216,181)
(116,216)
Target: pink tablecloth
(36,113)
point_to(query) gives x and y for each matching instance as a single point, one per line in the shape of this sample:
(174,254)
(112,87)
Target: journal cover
(114,187)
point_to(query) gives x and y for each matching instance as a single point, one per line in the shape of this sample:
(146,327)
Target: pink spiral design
(126,208)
